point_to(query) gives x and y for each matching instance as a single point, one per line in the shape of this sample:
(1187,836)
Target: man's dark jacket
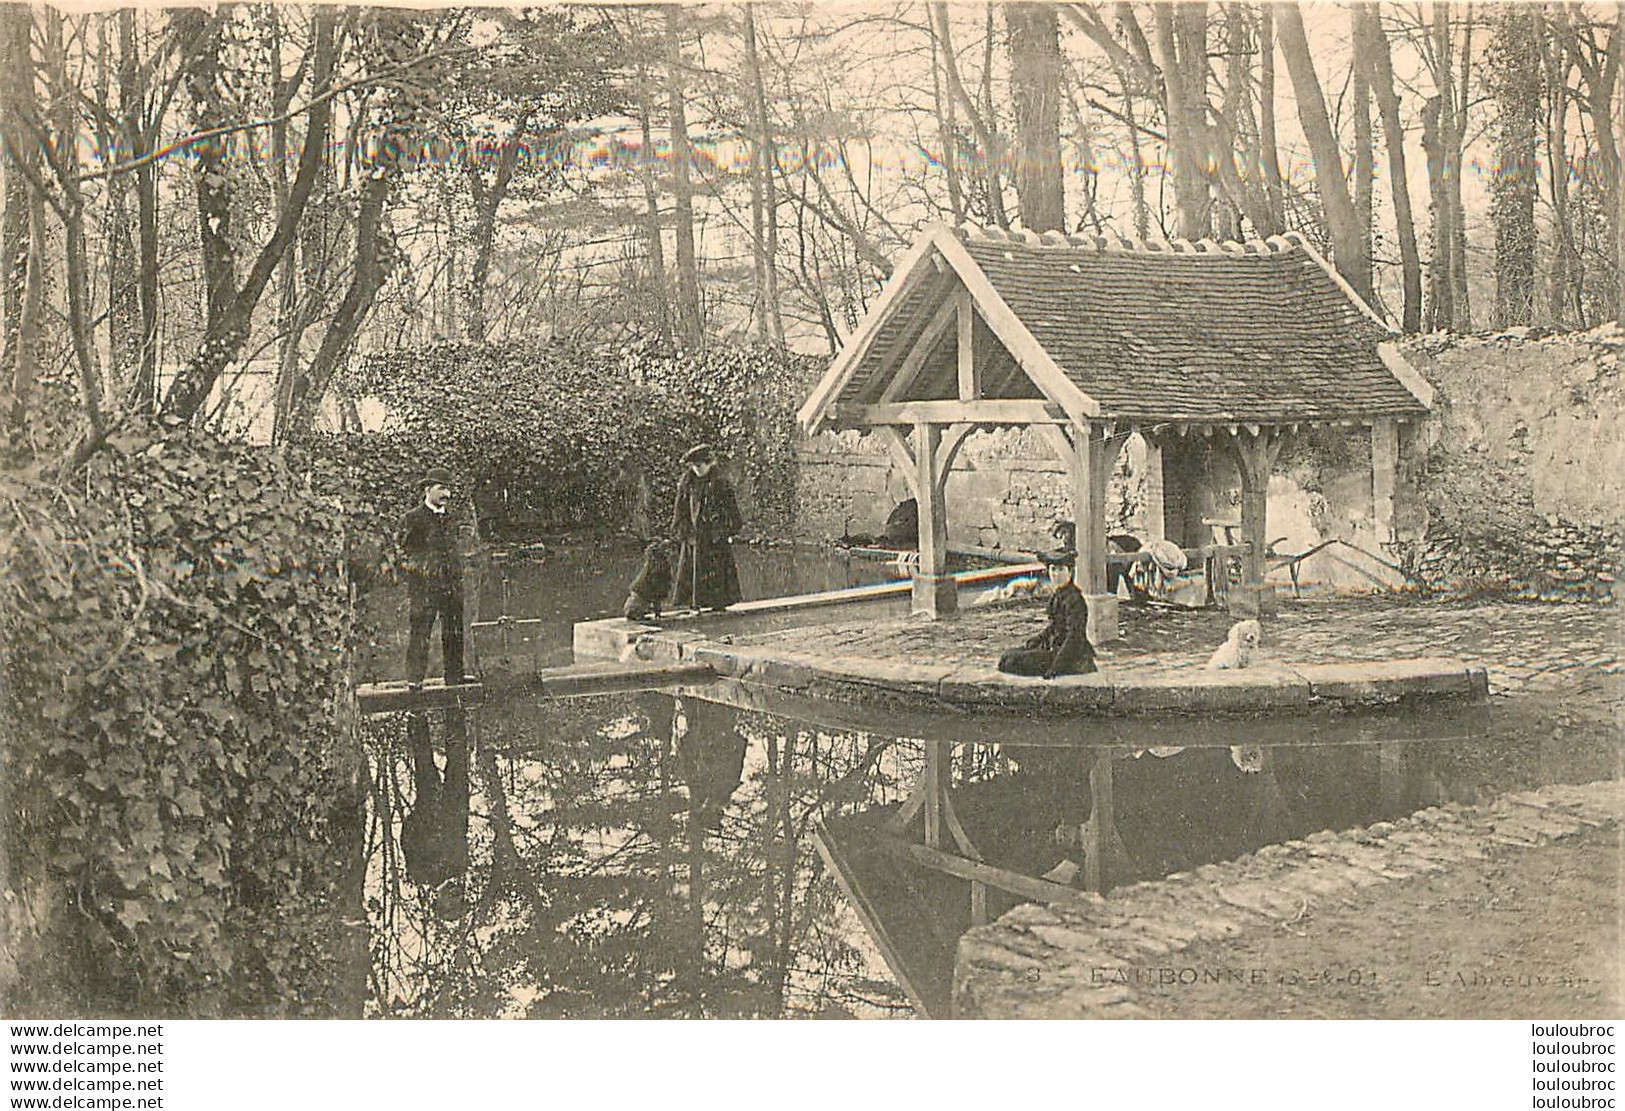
(429,543)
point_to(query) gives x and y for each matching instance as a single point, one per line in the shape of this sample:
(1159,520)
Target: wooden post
(1104,854)
(1255,453)
(935,592)
(1156,521)
(1089,462)
(970,386)
(1384,476)
(936,756)
(1096,457)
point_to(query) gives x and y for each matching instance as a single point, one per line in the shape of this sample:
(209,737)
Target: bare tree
(1371,46)
(690,321)
(230,305)
(1034,40)
(1515,78)
(1349,245)
(764,193)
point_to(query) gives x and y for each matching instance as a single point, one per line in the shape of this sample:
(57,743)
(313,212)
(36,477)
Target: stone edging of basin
(1040,961)
(848,679)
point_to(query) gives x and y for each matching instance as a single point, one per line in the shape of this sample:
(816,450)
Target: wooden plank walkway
(610,678)
(394,695)
(598,677)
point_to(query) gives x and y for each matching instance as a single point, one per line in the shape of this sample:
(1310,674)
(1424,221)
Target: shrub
(558,437)
(182,770)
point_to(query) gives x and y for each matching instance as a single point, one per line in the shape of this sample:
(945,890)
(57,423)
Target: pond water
(658,854)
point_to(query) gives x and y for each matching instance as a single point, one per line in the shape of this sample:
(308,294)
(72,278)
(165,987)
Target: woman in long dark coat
(704,519)
(1063,647)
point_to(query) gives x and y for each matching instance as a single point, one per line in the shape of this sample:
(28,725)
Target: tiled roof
(1255,333)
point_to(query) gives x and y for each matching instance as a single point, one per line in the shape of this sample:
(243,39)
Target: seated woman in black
(1063,647)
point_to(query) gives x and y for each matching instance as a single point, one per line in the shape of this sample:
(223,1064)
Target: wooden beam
(1061,444)
(908,272)
(984,411)
(1026,350)
(1255,459)
(1027,887)
(388,697)
(952,441)
(928,297)
(956,829)
(933,331)
(902,457)
(846,876)
(1102,826)
(933,787)
(607,678)
(1095,458)
(970,388)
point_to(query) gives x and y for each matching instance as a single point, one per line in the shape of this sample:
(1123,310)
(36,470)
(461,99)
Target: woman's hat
(437,476)
(699,453)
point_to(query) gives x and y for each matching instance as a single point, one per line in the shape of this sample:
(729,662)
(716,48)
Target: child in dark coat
(1063,647)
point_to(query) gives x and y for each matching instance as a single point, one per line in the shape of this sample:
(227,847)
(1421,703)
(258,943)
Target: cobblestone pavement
(1094,957)
(1043,961)
(1524,646)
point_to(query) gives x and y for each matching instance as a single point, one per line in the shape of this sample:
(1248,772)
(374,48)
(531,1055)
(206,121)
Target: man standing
(434,581)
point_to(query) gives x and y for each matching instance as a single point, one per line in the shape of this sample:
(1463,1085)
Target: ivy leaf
(133,912)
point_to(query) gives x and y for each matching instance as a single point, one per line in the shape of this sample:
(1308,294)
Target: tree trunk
(124,335)
(764,193)
(1439,312)
(1268,148)
(1349,249)
(228,322)
(1035,86)
(1515,81)
(22,235)
(1372,45)
(1193,198)
(1616,50)
(1562,286)
(487,202)
(1449,306)
(651,207)
(373,251)
(1458,135)
(1136,170)
(65,123)
(1364,156)
(988,145)
(947,127)
(1236,110)
(690,321)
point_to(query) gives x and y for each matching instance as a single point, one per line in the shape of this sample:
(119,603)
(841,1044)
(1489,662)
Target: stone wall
(1515,484)
(1523,466)
(1007,489)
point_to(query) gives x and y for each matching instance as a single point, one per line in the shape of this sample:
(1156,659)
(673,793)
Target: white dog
(1237,650)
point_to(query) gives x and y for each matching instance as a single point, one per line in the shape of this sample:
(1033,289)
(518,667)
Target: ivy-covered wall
(554,437)
(182,805)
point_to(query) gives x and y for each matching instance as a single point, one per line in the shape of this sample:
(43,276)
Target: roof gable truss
(972,296)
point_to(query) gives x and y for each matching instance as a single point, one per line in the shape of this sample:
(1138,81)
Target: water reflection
(652,855)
